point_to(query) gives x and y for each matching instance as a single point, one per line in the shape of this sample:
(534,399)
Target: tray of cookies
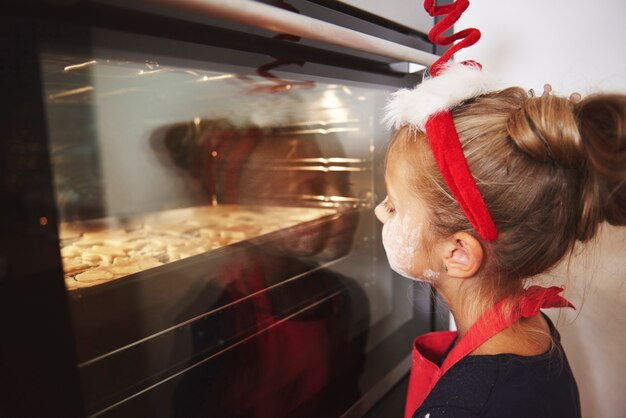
(100,251)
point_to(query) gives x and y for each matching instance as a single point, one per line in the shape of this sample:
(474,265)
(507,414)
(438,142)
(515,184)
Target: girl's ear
(462,255)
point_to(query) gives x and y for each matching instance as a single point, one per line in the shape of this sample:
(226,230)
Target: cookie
(104,254)
(71,284)
(88,242)
(144,262)
(74,265)
(94,275)
(121,271)
(70,251)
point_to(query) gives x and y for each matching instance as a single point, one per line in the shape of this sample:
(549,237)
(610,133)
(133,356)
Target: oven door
(213,219)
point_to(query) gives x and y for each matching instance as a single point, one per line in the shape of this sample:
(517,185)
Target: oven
(188,225)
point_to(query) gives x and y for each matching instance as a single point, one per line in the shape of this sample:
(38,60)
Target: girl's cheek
(401,240)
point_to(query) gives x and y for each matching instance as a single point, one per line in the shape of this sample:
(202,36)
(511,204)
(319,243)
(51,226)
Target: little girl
(487,189)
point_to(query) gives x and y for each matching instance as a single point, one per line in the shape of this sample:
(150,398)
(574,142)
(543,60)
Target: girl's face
(404,219)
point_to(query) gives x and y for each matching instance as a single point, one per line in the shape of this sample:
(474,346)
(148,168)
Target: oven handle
(282,21)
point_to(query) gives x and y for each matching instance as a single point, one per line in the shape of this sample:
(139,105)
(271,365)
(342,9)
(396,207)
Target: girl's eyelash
(387,207)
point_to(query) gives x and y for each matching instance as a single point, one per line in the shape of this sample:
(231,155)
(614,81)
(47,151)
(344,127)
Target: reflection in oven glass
(297,332)
(229,225)
(230,166)
(297,349)
(270,167)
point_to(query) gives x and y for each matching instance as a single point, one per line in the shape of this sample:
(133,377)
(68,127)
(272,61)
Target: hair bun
(587,137)
(601,120)
(545,128)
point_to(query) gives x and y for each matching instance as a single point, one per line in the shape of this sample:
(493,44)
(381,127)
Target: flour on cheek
(401,240)
(430,275)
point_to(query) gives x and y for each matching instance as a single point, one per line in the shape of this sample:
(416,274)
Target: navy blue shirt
(506,386)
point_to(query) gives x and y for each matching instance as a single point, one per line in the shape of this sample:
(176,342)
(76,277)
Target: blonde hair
(550,171)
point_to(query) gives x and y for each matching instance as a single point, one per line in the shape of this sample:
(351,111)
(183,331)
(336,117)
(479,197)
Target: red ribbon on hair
(441,132)
(446,148)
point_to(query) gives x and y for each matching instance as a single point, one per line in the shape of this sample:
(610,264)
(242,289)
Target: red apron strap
(429,348)
(499,318)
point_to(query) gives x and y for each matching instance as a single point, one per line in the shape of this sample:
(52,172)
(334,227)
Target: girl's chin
(427,276)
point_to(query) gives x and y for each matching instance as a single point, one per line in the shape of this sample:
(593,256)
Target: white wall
(575,45)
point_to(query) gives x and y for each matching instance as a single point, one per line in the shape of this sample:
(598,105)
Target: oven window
(217,234)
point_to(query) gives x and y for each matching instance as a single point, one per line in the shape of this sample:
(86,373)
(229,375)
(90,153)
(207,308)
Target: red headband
(427,108)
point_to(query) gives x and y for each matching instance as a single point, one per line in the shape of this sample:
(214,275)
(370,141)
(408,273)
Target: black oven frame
(37,351)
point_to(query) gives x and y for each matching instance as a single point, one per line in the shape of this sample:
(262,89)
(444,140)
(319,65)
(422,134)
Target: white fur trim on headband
(456,83)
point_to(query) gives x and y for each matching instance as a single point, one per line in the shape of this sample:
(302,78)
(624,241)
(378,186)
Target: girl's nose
(381,213)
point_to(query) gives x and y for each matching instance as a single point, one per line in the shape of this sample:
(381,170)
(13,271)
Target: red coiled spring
(453,12)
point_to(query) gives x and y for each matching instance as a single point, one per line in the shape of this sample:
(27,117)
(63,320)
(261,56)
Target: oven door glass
(217,234)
